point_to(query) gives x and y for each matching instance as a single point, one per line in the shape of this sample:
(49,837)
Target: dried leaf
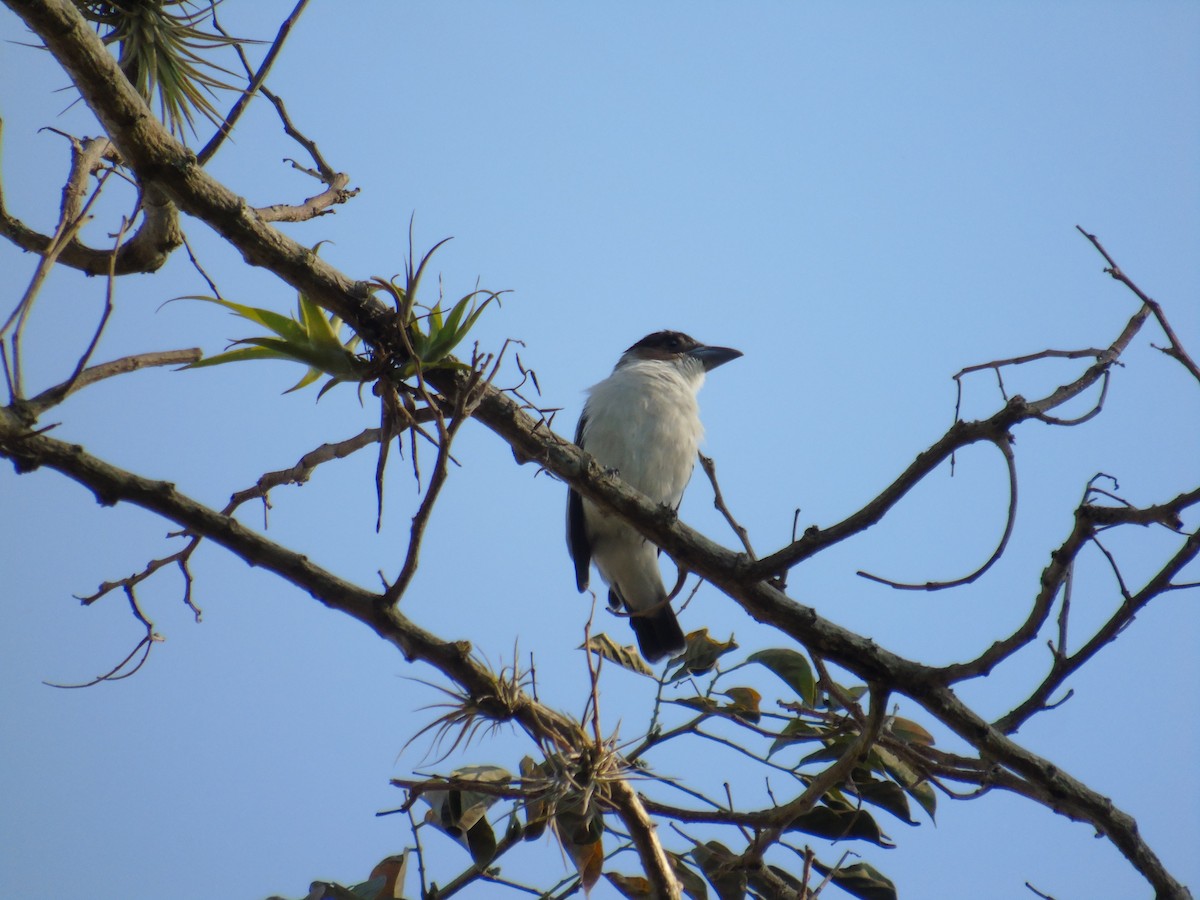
(701,655)
(745,703)
(627,657)
(910,732)
(635,887)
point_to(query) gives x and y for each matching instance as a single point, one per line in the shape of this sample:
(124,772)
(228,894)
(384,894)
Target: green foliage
(311,338)
(160,46)
(716,862)
(860,880)
(430,346)
(792,667)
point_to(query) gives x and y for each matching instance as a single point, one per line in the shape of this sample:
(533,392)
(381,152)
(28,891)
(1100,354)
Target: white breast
(643,421)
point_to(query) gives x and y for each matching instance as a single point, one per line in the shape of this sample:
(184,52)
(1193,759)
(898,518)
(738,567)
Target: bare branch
(336,191)
(1066,665)
(110,285)
(454,659)
(303,469)
(710,469)
(960,434)
(1004,446)
(53,396)
(1176,350)
(146,251)
(158,159)
(256,79)
(631,807)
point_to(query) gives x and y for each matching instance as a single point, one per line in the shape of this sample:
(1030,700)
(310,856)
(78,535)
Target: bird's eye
(673,343)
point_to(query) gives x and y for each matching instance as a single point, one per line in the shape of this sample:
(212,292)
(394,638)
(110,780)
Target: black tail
(658,633)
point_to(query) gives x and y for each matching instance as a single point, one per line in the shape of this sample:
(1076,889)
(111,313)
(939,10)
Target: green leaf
(287,328)
(312,341)
(443,338)
(793,668)
(794,732)
(907,777)
(239,355)
(693,885)
(456,314)
(924,794)
(885,794)
(840,824)
(317,327)
(715,861)
(309,377)
(862,880)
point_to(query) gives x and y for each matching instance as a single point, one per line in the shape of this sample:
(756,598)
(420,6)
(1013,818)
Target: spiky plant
(162,49)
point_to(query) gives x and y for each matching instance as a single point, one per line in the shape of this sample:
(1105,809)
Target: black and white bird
(643,422)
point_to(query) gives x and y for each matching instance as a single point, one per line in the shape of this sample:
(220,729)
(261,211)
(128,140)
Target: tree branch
(1176,350)
(147,249)
(158,159)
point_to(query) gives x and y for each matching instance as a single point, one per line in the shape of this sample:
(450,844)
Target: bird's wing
(577,538)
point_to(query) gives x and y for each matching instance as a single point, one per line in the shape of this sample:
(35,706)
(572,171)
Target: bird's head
(676,347)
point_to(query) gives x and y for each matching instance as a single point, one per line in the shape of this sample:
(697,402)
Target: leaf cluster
(161,47)
(567,793)
(314,338)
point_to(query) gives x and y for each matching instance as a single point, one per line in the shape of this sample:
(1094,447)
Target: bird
(643,423)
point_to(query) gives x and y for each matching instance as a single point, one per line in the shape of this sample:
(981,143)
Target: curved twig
(156,156)
(146,250)
(319,204)
(1005,447)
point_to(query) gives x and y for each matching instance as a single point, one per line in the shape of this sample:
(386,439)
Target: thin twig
(256,79)
(710,469)
(53,396)
(1176,350)
(1004,445)
(104,316)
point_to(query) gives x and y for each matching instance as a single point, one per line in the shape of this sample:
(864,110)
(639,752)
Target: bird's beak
(711,357)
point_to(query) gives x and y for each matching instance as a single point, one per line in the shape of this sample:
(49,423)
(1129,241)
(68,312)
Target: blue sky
(864,200)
